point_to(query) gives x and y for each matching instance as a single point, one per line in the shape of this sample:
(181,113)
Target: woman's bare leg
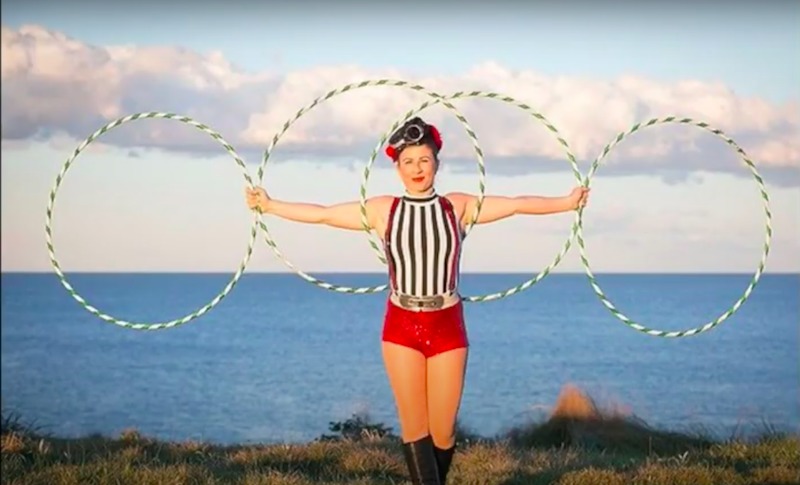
(406,370)
(446,372)
(407,376)
(445,385)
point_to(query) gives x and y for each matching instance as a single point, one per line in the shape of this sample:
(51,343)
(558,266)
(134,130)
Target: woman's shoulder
(458,200)
(381,203)
(381,199)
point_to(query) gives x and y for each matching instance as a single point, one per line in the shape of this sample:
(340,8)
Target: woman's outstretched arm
(343,216)
(496,208)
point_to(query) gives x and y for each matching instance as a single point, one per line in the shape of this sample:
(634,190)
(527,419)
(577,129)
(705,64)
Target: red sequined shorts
(430,332)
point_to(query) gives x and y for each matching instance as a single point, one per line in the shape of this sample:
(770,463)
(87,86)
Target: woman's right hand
(257,198)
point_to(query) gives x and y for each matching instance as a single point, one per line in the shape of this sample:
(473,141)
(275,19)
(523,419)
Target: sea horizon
(364,273)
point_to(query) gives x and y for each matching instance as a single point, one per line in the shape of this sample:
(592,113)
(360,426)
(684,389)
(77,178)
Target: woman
(424,340)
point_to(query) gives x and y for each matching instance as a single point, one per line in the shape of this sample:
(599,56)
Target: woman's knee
(443,427)
(413,430)
(444,435)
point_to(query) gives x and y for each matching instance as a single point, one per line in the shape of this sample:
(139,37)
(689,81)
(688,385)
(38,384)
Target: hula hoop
(304,110)
(538,116)
(759,271)
(576,230)
(49,220)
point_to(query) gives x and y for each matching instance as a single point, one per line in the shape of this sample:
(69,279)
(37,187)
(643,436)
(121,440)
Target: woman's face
(417,167)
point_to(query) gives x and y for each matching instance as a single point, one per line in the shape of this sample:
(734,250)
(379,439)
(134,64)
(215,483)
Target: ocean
(279,359)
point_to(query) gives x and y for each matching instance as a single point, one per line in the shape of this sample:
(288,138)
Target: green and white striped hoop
(576,230)
(304,110)
(49,221)
(477,94)
(759,271)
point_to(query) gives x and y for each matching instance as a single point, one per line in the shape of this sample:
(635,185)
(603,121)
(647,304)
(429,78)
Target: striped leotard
(423,246)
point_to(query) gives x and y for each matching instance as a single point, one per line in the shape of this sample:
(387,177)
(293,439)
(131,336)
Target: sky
(157,195)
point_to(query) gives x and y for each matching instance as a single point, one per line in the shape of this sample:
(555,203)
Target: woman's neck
(420,195)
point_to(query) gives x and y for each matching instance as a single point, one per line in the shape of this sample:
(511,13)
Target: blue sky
(746,46)
(595,68)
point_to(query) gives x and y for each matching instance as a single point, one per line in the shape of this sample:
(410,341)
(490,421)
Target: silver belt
(422,302)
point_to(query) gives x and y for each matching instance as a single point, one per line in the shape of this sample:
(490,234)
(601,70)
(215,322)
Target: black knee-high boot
(421,461)
(444,457)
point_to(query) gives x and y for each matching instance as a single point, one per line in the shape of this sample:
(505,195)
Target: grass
(577,445)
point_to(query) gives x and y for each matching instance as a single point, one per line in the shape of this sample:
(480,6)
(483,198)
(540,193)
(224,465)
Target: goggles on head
(413,133)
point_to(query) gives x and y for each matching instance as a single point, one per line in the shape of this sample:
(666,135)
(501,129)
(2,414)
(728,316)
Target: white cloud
(53,83)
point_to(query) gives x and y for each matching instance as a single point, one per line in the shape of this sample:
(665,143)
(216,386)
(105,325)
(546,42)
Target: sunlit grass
(578,444)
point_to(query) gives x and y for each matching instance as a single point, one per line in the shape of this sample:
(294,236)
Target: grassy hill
(578,444)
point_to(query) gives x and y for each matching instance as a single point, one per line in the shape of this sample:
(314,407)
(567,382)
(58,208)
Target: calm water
(279,359)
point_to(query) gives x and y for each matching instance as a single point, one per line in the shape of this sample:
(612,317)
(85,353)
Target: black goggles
(412,134)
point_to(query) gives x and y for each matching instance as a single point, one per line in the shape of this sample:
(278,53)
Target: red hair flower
(437,138)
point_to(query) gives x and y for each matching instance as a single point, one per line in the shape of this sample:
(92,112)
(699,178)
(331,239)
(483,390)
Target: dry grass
(579,444)
(577,421)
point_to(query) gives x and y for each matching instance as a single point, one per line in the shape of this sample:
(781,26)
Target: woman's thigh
(407,372)
(445,386)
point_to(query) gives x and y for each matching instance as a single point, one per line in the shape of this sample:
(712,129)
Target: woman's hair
(414,132)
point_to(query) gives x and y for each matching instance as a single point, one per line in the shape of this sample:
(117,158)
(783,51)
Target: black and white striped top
(423,246)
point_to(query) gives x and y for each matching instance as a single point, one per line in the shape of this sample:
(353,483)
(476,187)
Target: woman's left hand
(578,197)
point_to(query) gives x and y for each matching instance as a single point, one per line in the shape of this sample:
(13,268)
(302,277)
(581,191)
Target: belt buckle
(438,302)
(414,302)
